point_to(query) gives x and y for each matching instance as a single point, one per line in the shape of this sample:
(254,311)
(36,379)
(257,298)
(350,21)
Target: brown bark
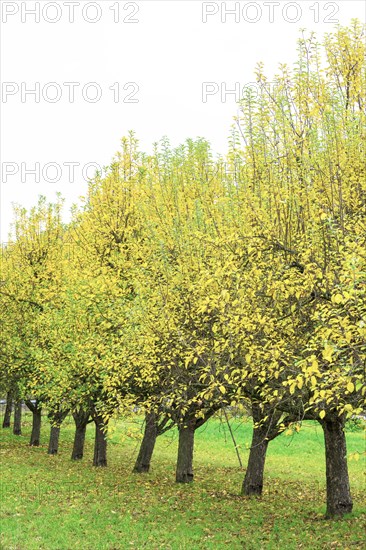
(81,420)
(339,500)
(17,426)
(54,439)
(253,480)
(254,475)
(8,408)
(184,471)
(36,423)
(56,419)
(100,443)
(143,460)
(187,428)
(264,431)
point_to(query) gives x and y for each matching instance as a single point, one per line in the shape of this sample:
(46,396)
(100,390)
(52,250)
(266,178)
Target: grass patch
(50,502)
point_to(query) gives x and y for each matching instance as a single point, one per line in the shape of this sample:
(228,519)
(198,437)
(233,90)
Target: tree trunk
(17,427)
(184,472)
(53,442)
(36,427)
(339,501)
(79,440)
(147,444)
(265,429)
(56,419)
(100,443)
(7,415)
(253,480)
(81,421)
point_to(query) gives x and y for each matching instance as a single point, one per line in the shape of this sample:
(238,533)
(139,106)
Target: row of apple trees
(187,283)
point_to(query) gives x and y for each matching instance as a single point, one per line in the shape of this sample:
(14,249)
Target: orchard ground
(52,502)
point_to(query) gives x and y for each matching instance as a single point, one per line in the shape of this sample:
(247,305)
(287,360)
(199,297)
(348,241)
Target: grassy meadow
(50,502)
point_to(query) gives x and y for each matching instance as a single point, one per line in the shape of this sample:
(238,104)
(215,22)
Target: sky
(76,76)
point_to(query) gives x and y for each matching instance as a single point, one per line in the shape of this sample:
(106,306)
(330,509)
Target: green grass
(52,503)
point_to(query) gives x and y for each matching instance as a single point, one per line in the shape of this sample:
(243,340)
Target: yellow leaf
(327,353)
(322,414)
(350,387)
(337,299)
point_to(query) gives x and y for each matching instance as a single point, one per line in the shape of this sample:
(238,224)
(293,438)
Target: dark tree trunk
(253,480)
(339,501)
(266,422)
(36,428)
(79,440)
(56,419)
(53,442)
(7,415)
(147,444)
(81,421)
(100,443)
(17,427)
(36,423)
(184,472)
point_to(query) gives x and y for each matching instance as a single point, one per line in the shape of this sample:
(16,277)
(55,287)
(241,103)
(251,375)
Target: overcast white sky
(148,61)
